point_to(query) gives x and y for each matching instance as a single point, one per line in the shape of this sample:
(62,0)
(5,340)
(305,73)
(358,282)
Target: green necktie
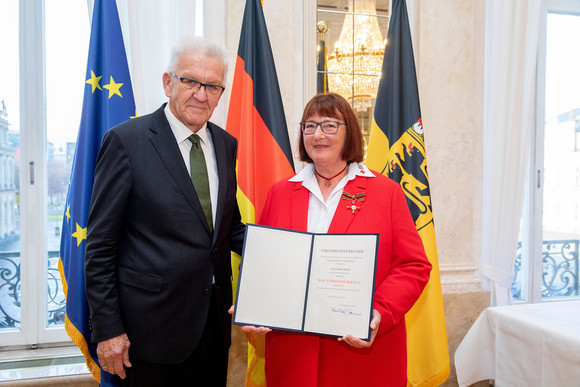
(199,177)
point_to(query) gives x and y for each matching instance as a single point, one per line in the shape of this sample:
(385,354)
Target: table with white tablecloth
(523,345)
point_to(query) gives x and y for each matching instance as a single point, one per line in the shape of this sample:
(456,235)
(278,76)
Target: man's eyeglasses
(192,84)
(328,127)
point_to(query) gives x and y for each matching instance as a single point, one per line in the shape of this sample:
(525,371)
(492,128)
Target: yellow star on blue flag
(94,81)
(80,234)
(114,88)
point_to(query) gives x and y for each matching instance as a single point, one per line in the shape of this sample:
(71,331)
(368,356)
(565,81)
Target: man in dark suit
(157,265)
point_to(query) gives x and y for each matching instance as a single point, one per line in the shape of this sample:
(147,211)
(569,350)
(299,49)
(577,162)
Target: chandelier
(354,67)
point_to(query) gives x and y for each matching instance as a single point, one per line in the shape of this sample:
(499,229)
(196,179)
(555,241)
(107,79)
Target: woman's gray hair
(198,45)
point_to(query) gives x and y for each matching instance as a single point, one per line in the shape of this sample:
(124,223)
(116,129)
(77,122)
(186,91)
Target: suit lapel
(163,140)
(220,152)
(344,215)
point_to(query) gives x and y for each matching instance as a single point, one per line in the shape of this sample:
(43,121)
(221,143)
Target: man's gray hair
(199,45)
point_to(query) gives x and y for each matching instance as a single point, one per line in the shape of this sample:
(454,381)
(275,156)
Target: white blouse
(320,213)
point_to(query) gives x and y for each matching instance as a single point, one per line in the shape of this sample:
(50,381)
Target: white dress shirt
(181,133)
(320,213)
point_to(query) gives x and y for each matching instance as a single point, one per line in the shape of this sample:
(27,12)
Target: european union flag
(108,101)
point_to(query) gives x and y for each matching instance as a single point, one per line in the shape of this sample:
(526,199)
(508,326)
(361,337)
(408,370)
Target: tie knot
(195,141)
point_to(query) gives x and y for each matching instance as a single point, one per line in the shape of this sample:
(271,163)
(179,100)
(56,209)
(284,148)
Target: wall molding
(463,278)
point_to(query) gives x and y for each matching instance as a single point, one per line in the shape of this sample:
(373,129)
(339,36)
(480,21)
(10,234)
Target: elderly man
(162,223)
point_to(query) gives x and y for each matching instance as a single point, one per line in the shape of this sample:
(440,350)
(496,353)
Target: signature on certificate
(345,311)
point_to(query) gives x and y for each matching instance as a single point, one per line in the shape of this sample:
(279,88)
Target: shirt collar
(181,131)
(354,169)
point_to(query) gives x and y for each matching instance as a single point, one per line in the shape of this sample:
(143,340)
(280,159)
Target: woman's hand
(250,328)
(358,343)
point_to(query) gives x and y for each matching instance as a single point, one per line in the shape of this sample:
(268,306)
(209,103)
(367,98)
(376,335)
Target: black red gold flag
(256,118)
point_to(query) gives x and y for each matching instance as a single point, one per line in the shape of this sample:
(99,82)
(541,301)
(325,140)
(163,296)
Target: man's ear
(167,84)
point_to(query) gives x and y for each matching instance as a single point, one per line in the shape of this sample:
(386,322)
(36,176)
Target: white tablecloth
(523,345)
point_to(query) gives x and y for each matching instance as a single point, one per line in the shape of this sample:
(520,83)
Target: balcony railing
(11,290)
(559,279)
(559,270)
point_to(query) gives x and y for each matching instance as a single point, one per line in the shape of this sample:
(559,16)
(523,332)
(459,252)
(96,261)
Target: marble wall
(450,75)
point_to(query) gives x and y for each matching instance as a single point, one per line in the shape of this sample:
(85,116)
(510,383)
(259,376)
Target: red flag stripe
(261,162)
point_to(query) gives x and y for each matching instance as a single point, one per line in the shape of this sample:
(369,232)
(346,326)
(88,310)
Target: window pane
(354,34)
(66,58)
(561,206)
(10,301)
(520,286)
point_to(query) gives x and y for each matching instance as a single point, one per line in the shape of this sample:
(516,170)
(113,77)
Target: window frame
(33,331)
(532,219)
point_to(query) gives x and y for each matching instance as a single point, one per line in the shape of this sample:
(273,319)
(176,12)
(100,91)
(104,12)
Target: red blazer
(294,359)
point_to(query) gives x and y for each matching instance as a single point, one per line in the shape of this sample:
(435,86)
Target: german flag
(256,118)
(396,149)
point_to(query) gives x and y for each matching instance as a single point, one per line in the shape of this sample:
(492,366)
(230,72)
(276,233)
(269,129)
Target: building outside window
(44,53)
(547,266)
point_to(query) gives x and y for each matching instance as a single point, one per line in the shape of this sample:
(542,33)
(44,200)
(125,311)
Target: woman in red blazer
(336,193)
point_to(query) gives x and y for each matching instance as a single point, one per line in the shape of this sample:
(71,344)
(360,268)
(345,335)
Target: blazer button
(206,291)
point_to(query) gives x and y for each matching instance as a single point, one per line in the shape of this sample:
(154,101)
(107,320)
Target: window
(547,263)
(577,135)
(351,38)
(41,86)
(10,219)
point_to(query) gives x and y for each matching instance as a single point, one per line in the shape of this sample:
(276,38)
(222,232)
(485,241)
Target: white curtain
(150,29)
(511,46)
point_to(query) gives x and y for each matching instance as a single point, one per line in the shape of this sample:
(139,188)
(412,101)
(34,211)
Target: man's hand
(114,355)
(358,343)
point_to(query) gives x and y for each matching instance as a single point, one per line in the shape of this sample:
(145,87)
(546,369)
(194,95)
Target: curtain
(511,46)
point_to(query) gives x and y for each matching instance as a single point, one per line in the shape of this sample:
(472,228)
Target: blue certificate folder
(307,282)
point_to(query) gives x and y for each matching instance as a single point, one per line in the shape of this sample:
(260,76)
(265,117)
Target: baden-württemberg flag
(256,119)
(396,149)
(108,101)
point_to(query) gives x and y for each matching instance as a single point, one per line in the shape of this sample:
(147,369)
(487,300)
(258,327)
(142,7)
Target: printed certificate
(305,282)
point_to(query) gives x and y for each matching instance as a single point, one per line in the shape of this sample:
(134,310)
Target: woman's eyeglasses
(328,127)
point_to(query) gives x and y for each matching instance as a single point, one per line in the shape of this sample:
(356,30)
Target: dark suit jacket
(150,256)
